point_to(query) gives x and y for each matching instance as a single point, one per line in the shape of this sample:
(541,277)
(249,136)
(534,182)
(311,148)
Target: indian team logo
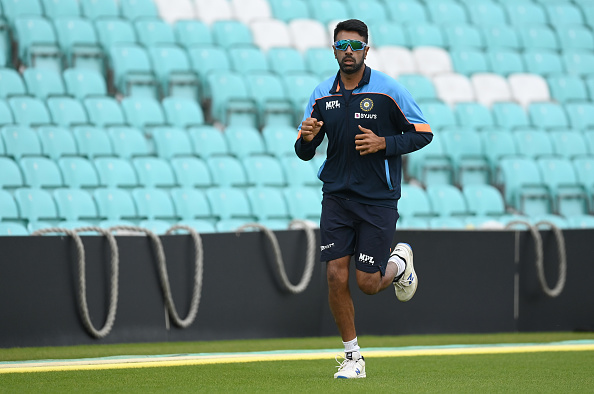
(366,105)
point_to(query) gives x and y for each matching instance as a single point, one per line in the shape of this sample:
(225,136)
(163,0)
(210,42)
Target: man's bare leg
(339,297)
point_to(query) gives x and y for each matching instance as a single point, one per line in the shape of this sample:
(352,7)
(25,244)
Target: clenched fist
(310,127)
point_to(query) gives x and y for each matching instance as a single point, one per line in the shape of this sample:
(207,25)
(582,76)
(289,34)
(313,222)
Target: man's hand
(310,127)
(368,142)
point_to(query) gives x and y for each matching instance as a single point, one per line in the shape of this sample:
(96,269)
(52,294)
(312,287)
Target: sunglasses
(355,45)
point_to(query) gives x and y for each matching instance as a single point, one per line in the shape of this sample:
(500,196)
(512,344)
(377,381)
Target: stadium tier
(158,112)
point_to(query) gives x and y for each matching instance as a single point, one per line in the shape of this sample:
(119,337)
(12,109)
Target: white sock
(351,346)
(399,263)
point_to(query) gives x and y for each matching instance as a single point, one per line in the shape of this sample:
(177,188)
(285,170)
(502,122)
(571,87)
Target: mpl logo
(359,115)
(366,259)
(332,104)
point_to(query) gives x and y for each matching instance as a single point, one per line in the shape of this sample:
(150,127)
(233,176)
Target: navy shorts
(351,228)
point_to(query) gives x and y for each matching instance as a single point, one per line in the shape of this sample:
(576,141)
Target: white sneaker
(406,286)
(352,367)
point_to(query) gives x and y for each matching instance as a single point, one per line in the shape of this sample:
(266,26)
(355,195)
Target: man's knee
(337,274)
(369,282)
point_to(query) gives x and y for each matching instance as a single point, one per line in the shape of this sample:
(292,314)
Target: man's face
(350,61)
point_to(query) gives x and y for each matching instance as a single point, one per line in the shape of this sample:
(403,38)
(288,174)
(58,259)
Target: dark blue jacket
(378,103)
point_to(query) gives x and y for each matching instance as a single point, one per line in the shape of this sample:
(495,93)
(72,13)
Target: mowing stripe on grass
(124,362)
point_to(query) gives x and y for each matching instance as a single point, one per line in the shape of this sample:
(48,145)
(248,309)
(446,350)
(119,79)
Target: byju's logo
(359,115)
(332,104)
(366,259)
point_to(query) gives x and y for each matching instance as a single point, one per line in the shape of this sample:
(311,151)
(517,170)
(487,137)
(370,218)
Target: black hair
(352,25)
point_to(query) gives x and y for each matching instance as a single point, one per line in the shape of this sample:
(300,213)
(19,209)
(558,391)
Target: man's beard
(351,68)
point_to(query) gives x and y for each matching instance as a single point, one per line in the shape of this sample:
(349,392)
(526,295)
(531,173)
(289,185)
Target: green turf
(566,372)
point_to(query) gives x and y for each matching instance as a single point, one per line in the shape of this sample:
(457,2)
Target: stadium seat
(12,229)
(82,83)
(414,202)
(584,170)
(405,65)
(431,165)
(432,60)
(506,61)
(425,34)
(138,9)
(447,200)
(447,223)
(548,115)
(154,204)
(371,10)
(132,71)
(78,172)
(453,88)
(115,172)
(486,13)
(483,200)
(538,37)
(128,142)
(412,224)
(92,142)
(182,112)
(407,11)
(35,204)
(229,203)
(327,11)
(231,101)
(438,114)
(581,221)
(97,9)
(578,62)
(37,43)
(153,32)
(20,141)
(565,88)
(543,62)
(287,10)
(321,62)
(463,36)
(154,172)
(525,13)
(510,115)
(500,36)
(270,33)
(300,86)
(523,187)
(469,61)
(497,145)
(231,33)
(114,31)
(268,203)
(67,111)
(465,150)
(447,11)
(264,171)
(41,172)
(75,204)
(227,171)
(527,88)
(279,140)
(208,141)
(13,9)
(244,141)
(11,83)
(10,174)
(299,173)
(143,113)
(304,203)
(191,203)
(420,86)
(247,11)
(387,33)
(79,42)
(533,143)
(190,33)
(474,115)
(174,72)
(581,115)
(191,172)
(285,60)
(248,59)
(205,60)
(575,37)
(115,204)
(171,142)
(569,144)
(308,33)
(271,99)
(29,111)
(568,195)
(104,111)
(564,14)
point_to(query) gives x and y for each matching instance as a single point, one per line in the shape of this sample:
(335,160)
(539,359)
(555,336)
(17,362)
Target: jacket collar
(338,86)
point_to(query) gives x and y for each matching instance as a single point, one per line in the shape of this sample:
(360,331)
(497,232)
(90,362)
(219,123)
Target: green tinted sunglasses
(356,45)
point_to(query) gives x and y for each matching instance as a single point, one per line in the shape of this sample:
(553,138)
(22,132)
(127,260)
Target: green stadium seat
(151,32)
(14,9)
(82,83)
(191,172)
(370,10)
(12,229)
(75,204)
(98,9)
(510,115)
(264,171)
(115,204)
(11,83)
(268,203)
(29,111)
(138,9)
(79,43)
(465,150)
(41,172)
(274,106)
(447,200)
(104,111)
(567,88)
(182,112)
(447,11)
(191,204)
(438,114)
(321,62)
(229,203)
(78,172)
(299,173)
(505,61)
(20,141)
(469,61)
(171,142)
(564,14)
(578,62)
(548,115)
(474,115)
(208,141)
(154,172)
(420,86)
(10,174)
(192,33)
(67,111)
(227,171)
(497,145)
(387,32)
(57,142)
(229,33)
(154,204)
(115,172)
(205,60)
(279,140)
(44,82)
(431,165)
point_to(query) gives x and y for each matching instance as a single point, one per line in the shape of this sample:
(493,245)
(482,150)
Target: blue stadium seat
(263,171)
(474,115)
(525,13)
(325,11)
(78,40)
(139,9)
(388,33)
(578,62)
(20,141)
(431,165)
(41,172)
(419,85)
(229,33)
(510,115)
(154,172)
(171,142)
(128,142)
(274,106)
(547,115)
(407,11)
(581,115)
(538,37)
(152,32)
(447,11)
(469,61)
(564,14)
(300,86)
(78,172)
(82,83)
(115,172)
(115,31)
(191,172)
(104,111)
(543,62)
(496,145)
(523,187)
(484,200)
(485,13)
(35,205)
(75,204)
(321,62)
(174,72)
(533,143)
(10,174)
(584,171)
(15,8)
(279,140)
(370,10)
(12,229)
(463,36)
(414,202)
(447,200)
(92,142)
(565,88)
(287,10)
(506,61)
(191,203)
(97,9)
(192,33)
(38,45)
(67,111)
(205,60)
(247,59)
(115,204)
(465,150)
(8,207)
(268,203)
(143,113)
(231,101)
(132,71)
(568,196)
(182,112)
(447,223)
(29,111)
(501,36)
(575,37)
(11,83)
(227,171)
(208,141)
(229,203)
(438,114)
(569,144)
(154,204)
(6,117)
(244,141)
(304,203)
(299,173)
(581,221)
(425,34)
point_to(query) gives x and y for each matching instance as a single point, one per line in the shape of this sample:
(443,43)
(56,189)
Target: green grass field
(516,372)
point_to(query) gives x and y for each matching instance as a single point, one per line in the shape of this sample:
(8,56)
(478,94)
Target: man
(370,121)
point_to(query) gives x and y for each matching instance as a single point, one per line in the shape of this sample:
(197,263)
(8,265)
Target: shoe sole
(412,271)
